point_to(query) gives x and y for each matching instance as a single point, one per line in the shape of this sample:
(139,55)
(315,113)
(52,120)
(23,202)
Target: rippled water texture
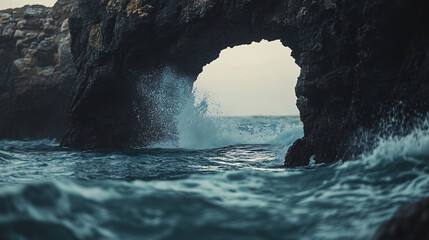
(232,188)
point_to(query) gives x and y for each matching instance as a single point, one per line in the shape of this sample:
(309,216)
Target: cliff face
(36,71)
(114,40)
(370,72)
(358,59)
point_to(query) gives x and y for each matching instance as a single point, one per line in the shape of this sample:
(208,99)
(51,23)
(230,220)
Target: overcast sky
(4,4)
(256,79)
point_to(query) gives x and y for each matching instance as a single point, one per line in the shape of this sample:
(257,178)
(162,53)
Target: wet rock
(410,222)
(21,24)
(19,34)
(36,71)
(8,31)
(35,12)
(4,17)
(45,52)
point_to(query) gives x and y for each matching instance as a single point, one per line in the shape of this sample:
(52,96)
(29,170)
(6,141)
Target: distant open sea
(224,180)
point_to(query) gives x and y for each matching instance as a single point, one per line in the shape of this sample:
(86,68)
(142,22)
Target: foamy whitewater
(220,178)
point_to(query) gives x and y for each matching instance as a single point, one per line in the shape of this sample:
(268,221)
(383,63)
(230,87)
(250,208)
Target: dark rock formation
(112,40)
(410,222)
(36,71)
(373,58)
(358,59)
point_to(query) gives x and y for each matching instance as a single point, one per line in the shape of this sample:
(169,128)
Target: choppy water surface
(230,187)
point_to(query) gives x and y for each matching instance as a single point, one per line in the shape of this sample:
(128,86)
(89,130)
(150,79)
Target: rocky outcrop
(369,70)
(410,222)
(115,40)
(358,60)
(36,71)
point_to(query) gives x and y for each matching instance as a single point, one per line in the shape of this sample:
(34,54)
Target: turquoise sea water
(227,184)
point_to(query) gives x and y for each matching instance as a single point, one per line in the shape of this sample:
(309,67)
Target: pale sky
(4,4)
(256,79)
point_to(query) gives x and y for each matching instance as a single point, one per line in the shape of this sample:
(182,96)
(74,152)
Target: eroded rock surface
(37,71)
(358,60)
(113,40)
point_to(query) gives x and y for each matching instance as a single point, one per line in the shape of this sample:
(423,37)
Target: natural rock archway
(357,59)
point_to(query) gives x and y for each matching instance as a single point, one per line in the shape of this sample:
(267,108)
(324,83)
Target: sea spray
(182,121)
(162,96)
(394,128)
(387,149)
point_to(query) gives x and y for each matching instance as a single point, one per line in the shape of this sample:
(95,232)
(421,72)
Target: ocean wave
(309,203)
(52,210)
(393,150)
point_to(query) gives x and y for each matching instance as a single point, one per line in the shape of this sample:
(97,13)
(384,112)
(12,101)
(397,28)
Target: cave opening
(245,96)
(256,79)
(251,80)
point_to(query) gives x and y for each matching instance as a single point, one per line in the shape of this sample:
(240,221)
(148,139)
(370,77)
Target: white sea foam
(411,147)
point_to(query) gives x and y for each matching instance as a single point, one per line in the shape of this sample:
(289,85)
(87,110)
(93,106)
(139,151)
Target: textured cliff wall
(369,70)
(36,71)
(359,60)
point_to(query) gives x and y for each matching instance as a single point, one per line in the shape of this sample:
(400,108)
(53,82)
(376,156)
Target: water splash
(162,97)
(190,125)
(387,149)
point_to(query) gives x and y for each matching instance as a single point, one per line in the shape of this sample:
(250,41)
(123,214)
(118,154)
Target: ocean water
(208,178)
(229,184)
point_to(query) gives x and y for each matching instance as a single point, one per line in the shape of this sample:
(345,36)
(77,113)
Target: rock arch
(349,52)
